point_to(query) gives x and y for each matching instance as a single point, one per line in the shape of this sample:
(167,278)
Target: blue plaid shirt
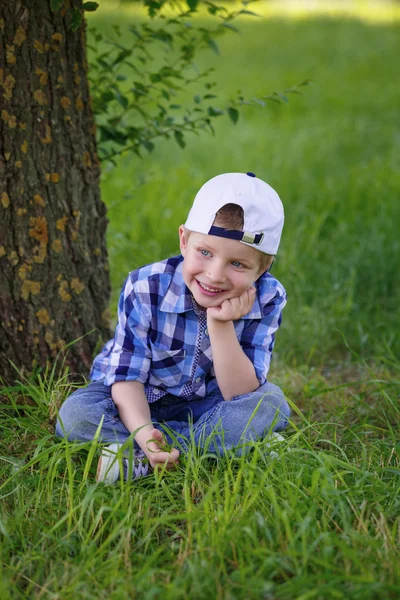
(161,338)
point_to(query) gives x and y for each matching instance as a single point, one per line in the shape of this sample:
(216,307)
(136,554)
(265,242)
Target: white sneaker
(108,467)
(274,438)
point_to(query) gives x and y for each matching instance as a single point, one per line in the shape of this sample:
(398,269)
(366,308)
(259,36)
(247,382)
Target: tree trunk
(54,284)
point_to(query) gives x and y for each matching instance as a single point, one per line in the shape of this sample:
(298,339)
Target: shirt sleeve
(129,357)
(258,336)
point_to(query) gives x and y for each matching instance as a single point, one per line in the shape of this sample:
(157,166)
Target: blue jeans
(244,418)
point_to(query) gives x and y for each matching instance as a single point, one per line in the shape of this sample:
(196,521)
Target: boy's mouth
(209,289)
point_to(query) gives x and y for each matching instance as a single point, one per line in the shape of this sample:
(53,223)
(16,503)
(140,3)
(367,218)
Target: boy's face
(216,269)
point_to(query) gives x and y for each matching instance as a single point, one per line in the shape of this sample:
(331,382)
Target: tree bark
(54,286)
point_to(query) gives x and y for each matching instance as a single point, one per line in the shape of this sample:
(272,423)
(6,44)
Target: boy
(194,339)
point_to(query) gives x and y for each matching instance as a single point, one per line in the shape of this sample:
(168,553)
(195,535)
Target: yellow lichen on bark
(43,316)
(2,251)
(43,76)
(20,36)
(79,103)
(39,200)
(38,229)
(8,85)
(65,102)
(24,146)
(40,253)
(12,122)
(87,161)
(2,24)
(18,164)
(61,223)
(30,287)
(57,246)
(40,97)
(53,177)
(10,56)
(13,258)
(5,199)
(106,317)
(24,270)
(39,47)
(63,291)
(21,212)
(47,139)
(76,285)
(22,126)
(4,115)
(57,37)
(48,338)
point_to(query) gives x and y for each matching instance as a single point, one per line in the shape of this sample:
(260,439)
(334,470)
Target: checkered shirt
(162,340)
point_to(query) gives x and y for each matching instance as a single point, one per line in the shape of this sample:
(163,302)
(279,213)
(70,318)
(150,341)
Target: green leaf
(192,4)
(248,12)
(215,112)
(55,5)
(148,145)
(178,135)
(197,99)
(233,115)
(76,19)
(229,26)
(122,100)
(213,46)
(90,6)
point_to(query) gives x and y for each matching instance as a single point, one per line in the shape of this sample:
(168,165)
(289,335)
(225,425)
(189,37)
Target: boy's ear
(183,238)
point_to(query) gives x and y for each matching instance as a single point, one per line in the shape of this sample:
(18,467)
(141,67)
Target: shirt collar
(178,298)
(256,311)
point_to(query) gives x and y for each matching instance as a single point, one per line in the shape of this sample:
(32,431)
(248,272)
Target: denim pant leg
(81,413)
(244,418)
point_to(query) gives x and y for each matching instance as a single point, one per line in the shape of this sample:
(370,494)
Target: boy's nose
(216,273)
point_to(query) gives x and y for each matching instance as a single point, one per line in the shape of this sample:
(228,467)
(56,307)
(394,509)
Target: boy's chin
(208,301)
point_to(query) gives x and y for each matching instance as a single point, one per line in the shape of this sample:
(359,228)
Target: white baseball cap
(262,208)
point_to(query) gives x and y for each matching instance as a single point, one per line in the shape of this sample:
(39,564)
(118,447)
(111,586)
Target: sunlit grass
(375,11)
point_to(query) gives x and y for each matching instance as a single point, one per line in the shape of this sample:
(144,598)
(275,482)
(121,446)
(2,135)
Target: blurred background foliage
(332,154)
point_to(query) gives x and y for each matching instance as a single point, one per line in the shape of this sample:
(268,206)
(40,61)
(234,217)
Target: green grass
(320,521)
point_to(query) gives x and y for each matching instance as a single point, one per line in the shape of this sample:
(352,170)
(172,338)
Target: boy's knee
(272,404)
(82,409)
(69,419)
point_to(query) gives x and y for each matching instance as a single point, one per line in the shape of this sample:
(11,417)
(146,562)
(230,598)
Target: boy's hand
(158,457)
(233,308)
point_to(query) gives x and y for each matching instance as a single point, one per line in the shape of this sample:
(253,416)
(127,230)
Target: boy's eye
(236,263)
(205,252)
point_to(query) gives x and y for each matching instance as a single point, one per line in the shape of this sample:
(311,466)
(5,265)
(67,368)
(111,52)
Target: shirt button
(206,331)
(198,379)
(156,391)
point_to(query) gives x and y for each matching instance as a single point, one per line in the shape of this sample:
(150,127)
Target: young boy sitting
(194,339)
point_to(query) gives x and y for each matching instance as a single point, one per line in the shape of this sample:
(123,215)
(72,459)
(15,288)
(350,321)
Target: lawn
(321,520)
